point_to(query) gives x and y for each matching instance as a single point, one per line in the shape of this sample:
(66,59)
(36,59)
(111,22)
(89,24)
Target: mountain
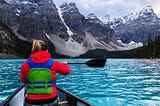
(83,34)
(70,32)
(138,27)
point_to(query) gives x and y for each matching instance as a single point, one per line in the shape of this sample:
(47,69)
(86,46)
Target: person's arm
(62,68)
(24,72)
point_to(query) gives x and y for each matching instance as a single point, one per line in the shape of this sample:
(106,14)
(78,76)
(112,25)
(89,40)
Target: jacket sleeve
(61,68)
(24,72)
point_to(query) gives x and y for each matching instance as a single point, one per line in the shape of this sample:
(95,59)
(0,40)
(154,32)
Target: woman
(39,74)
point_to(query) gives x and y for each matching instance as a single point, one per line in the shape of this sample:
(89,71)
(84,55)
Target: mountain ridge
(69,31)
(141,26)
(43,20)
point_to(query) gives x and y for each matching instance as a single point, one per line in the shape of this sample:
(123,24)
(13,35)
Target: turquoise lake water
(122,82)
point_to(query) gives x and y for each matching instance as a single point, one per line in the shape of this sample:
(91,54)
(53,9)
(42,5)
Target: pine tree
(158,46)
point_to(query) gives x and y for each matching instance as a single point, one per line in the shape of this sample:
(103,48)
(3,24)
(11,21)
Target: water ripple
(122,82)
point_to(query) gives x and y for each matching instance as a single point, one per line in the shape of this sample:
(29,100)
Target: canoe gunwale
(10,97)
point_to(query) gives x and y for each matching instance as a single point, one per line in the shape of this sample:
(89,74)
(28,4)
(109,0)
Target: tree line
(149,50)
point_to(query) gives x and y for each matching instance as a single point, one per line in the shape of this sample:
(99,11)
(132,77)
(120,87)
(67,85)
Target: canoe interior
(17,98)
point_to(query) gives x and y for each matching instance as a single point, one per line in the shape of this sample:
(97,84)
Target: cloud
(114,8)
(100,7)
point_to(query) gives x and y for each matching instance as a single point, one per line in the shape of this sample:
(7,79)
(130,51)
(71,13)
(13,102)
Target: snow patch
(8,1)
(17,14)
(93,19)
(70,33)
(71,42)
(27,2)
(19,11)
(91,16)
(107,19)
(131,45)
(36,12)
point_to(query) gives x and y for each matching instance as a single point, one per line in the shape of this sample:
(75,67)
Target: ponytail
(38,45)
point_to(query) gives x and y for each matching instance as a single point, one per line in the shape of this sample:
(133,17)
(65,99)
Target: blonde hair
(38,45)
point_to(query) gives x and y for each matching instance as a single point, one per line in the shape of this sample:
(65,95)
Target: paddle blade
(96,62)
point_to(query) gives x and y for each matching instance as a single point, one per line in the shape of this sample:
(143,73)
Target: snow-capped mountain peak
(71,32)
(137,27)
(130,17)
(92,18)
(107,19)
(146,14)
(69,7)
(147,10)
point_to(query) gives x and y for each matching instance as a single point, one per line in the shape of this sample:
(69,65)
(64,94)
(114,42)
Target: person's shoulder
(56,62)
(25,63)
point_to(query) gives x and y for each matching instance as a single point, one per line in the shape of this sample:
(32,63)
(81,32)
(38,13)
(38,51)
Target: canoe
(65,98)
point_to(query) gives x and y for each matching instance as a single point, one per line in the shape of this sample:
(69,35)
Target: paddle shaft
(76,63)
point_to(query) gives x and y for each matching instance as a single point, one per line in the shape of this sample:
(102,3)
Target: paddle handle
(63,102)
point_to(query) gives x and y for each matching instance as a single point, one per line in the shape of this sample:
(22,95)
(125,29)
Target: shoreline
(8,56)
(150,60)
(13,56)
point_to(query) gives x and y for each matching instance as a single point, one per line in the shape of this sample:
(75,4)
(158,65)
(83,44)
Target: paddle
(99,62)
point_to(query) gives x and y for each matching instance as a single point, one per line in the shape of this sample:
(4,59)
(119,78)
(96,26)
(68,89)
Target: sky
(114,8)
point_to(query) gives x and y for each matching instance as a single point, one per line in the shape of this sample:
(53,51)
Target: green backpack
(39,79)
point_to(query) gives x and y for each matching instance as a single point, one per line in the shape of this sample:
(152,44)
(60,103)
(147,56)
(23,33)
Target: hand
(64,62)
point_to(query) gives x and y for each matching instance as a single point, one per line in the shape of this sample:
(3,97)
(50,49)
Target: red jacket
(42,57)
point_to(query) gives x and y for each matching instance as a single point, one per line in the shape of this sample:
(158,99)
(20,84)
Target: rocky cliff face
(79,24)
(99,30)
(74,20)
(11,44)
(32,18)
(138,27)
(17,47)
(70,32)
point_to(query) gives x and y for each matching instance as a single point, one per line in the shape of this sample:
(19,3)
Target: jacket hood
(40,56)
